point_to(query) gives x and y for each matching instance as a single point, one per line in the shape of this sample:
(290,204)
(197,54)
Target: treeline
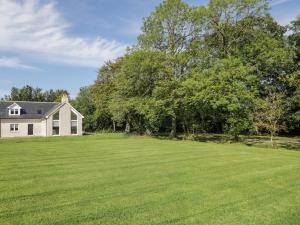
(225,68)
(28,93)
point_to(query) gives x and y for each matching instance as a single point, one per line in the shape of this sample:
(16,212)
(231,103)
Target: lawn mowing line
(214,166)
(216,179)
(117,154)
(80,155)
(107,196)
(134,209)
(103,158)
(234,178)
(100,159)
(128,166)
(235,204)
(101,176)
(62,139)
(85,185)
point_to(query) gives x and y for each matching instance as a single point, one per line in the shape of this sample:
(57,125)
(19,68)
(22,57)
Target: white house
(21,119)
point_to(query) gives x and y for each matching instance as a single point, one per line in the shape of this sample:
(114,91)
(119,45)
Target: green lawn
(113,179)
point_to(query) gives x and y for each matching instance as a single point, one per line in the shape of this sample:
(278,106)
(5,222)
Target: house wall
(64,122)
(23,127)
(79,129)
(43,128)
(49,122)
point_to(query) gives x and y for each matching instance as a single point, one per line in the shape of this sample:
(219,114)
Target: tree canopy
(202,69)
(29,93)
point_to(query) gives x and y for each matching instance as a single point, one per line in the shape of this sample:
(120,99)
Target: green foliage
(229,89)
(84,103)
(28,93)
(200,69)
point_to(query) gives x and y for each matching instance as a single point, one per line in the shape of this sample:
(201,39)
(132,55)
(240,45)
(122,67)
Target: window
(14,127)
(73,123)
(56,116)
(14,112)
(55,125)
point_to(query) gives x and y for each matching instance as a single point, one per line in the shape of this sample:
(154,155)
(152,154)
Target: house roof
(29,110)
(57,107)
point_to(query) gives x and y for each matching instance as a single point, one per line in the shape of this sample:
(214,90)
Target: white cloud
(14,63)
(40,30)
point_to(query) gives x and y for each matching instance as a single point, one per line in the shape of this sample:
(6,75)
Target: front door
(30,129)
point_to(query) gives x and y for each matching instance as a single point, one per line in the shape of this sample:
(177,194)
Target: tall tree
(102,92)
(173,28)
(229,87)
(223,30)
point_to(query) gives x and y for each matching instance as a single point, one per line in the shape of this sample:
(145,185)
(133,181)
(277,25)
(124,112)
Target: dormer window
(14,110)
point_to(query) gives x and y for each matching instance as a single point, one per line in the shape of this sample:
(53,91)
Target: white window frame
(15,127)
(14,110)
(74,121)
(58,124)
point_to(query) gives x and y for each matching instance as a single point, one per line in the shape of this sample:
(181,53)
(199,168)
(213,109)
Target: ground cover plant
(117,179)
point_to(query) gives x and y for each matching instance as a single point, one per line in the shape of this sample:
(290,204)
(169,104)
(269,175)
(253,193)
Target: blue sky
(62,43)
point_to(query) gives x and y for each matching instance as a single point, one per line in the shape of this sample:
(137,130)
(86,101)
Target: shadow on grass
(289,143)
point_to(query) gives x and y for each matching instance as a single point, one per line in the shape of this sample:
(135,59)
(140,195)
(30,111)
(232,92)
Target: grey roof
(29,110)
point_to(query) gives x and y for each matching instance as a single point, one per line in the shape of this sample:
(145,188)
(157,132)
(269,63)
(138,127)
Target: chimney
(64,99)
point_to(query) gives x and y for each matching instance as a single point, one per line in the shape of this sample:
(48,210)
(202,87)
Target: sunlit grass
(117,179)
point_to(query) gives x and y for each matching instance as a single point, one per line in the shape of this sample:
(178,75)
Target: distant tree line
(225,68)
(28,93)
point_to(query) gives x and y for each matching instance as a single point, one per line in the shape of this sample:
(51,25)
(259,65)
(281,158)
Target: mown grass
(115,179)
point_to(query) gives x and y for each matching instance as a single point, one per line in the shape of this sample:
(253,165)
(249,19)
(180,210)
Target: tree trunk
(236,137)
(127,127)
(256,130)
(173,128)
(148,131)
(114,126)
(140,126)
(271,139)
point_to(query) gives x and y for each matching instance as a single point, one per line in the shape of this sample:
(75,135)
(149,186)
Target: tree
(28,93)
(134,81)
(200,69)
(84,103)
(173,28)
(269,114)
(229,87)
(165,105)
(102,92)
(294,38)
(224,30)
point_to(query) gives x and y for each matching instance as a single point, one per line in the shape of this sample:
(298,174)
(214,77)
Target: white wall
(64,122)
(43,127)
(23,127)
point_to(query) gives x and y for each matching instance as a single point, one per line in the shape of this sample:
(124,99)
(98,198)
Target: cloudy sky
(62,43)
